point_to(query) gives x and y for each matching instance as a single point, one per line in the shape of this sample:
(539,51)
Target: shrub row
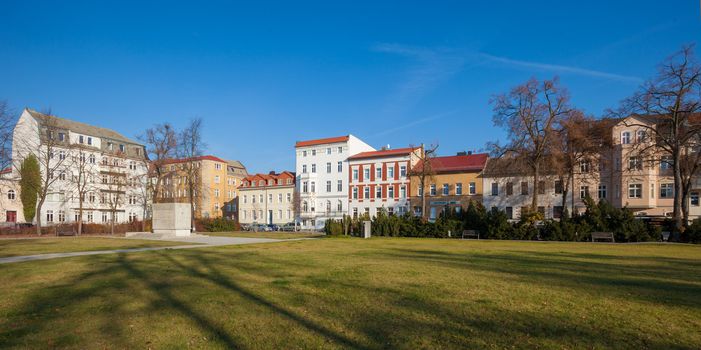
(494,224)
(216,225)
(88,228)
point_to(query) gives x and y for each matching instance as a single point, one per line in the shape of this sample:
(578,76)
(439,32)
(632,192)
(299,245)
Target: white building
(507,188)
(114,167)
(381,179)
(267,198)
(322,178)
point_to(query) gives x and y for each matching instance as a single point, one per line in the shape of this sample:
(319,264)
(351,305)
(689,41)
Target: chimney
(462,153)
(272,172)
(385,148)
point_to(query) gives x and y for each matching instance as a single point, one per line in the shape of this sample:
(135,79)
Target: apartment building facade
(216,184)
(108,169)
(380,180)
(318,163)
(452,182)
(267,198)
(11,211)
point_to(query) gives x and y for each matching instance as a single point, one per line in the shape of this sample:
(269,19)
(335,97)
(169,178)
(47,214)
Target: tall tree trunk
(677,212)
(536,176)
(38,216)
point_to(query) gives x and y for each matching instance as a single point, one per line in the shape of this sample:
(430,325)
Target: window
(402,171)
(355,213)
(91,197)
(91,159)
(270,197)
(49,216)
(328,186)
(524,188)
(305,206)
(89,140)
(458,189)
(61,215)
(584,166)
(328,168)
(602,191)
(304,168)
(583,192)
(339,186)
(304,153)
(635,191)
(313,187)
(328,150)
(104,217)
(355,174)
(421,191)
(61,136)
(640,135)
(473,188)
(121,148)
(625,137)
(509,188)
(260,197)
(340,167)
(313,152)
(390,211)
(313,168)
(80,139)
(433,190)
(355,193)
(217,166)
(366,174)
(495,189)
(402,192)
(509,212)
(666,162)
(288,198)
(216,193)
(558,187)
(557,212)
(666,190)
(61,155)
(541,210)
(378,172)
(216,179)
(390,192)
(11,195)
(635,163)
(541,187)
(694,199)
(245,199)
(305,187)
(390,172)
(279,197)
(432,214)
(378,192)
(366,192)
(446,189)
(340,149)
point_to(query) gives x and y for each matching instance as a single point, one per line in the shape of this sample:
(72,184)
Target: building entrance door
(270,217)
(11,216)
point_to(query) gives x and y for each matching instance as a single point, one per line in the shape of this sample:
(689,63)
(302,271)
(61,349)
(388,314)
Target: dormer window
(121,148)
(641,135)
(110,146)
(625,138)
(138,151)
(61,136)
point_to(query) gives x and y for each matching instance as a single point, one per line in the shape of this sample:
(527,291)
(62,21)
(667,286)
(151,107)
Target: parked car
(289,227)
(259,228)
(274,227)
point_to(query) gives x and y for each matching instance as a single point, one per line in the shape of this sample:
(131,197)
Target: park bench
(470,234)
(65,230)
(602,236)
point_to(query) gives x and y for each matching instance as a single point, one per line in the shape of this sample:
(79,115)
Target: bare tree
(7,122)
(141,188)
(51,139)
(190,147)
(424,172)
(161,143)
(530,114)
(669,103)
(116,188)
(83,180)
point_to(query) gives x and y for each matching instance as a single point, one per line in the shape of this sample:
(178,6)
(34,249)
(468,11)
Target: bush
(216,225)
(693,232)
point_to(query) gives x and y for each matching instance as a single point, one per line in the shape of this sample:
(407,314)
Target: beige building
(453,183)
(267,198)
(216,189)
(11,211)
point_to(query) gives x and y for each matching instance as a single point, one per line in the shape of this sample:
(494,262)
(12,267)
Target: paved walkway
(198,241)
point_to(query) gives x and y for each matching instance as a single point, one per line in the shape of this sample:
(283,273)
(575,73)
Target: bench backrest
(602,235)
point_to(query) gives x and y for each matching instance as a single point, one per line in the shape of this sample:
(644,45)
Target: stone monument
(171,219)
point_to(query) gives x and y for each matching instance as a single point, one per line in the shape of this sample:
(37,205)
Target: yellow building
(216,185)
(452,182)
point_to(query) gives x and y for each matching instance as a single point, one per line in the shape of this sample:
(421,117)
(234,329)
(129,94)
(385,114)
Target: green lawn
(31,246)
(275,235)
(353,293)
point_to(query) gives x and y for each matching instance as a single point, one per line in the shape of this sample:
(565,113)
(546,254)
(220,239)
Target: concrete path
(197,241)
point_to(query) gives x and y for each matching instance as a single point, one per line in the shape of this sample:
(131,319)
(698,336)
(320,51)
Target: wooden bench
(66,231)
(470,234)
(608,236)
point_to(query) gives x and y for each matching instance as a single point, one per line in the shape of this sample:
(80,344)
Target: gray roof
(235,164)
(83,128)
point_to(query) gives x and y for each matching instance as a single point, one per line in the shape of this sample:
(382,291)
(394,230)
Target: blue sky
(266,74)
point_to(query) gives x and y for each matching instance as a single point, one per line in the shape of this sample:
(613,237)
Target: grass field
(31,246)
(353,293)
(275,235)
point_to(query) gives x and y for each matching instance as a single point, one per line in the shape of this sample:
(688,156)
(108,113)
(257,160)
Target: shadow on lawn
(377,316)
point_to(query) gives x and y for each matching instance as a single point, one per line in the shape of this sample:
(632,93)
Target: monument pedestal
(171,219)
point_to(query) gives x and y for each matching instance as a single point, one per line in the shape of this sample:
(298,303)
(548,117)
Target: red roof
(321,141)
(472,162)
(283,175)
(384,153)
(183,160)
